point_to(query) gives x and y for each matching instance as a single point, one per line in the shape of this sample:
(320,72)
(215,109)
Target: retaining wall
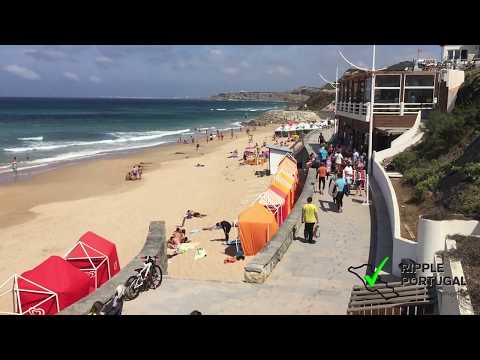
(431,235)
(402,248)
(155,245)
(407,139)
(453,299)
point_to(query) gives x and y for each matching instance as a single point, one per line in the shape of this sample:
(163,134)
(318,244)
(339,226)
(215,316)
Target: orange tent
(289,166)
(289,182)
(256,225)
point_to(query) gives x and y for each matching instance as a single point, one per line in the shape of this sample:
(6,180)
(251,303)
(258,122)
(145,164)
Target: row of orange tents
(259,223)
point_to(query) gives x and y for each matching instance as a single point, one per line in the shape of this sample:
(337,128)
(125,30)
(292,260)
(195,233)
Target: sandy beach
(46,214)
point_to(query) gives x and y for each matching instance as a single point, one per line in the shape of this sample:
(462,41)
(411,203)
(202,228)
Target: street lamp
(335,86)
(370,113)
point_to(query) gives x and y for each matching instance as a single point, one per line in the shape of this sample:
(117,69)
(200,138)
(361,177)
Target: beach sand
(46,214)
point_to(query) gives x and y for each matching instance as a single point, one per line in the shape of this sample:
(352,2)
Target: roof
(256,214)
(280,148)
(57,275)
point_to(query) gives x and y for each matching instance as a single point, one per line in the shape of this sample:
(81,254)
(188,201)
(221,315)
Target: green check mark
(371,280)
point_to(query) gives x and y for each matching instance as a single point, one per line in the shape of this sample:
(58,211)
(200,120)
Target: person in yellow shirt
(309,218)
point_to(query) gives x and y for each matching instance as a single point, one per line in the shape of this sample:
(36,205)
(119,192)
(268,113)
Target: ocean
(44,131)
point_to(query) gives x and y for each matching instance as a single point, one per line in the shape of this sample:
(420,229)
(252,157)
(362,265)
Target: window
(419,80)
(387,81)
(450,54)
(419,96)
(387,95)
(464,54)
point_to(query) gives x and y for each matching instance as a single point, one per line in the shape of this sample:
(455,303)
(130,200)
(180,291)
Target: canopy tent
(96,256)
(284,193)
(273,202)
(289,165)
(48,288)
(256,225)
(289,182)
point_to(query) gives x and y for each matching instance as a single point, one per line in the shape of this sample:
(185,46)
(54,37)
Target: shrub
(404,161)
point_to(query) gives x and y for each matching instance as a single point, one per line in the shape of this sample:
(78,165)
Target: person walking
(322,175)
(309,218)
(14,166)
(348,176)
(340,184)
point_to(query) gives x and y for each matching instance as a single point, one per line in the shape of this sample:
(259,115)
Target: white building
(460,53)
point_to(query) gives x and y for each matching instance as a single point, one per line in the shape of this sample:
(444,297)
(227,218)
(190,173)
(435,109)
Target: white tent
(273,202)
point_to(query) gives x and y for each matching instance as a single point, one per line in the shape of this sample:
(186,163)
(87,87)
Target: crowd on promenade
(340,168)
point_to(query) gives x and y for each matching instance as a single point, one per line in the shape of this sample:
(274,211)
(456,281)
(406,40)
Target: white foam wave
(77,155)
(35,138)
(121,137)
(36,148)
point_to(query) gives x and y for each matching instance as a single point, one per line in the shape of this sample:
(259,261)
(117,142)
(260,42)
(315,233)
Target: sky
(181,70)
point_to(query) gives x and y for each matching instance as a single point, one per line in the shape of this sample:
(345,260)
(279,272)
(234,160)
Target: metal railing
(363,109)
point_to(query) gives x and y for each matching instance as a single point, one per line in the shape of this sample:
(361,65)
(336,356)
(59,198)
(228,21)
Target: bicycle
(148,277)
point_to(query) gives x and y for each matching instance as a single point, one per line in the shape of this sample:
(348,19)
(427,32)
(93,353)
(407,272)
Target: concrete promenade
(310,279)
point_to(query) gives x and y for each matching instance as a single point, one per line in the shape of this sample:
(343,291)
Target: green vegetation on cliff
(445,165)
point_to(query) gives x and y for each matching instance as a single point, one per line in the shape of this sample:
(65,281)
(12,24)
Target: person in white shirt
(348,176)
(356,155)
(338,160)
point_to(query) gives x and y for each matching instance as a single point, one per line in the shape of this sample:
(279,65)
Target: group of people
(179,235)
(135,173)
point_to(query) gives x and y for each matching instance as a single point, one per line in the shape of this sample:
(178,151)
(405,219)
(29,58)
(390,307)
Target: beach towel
(194,231)
(182,248)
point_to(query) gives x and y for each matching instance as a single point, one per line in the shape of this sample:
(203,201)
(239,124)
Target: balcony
(361,111)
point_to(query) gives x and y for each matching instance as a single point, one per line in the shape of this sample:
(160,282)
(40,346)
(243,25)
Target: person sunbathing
(178,237)
(191,214)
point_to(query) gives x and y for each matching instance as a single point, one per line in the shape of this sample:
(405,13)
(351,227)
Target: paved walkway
(310,279)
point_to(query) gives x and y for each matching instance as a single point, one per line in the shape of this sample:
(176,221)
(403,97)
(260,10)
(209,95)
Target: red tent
(95,256)
(50,287)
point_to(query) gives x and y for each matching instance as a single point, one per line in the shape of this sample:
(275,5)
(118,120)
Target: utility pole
(370,113)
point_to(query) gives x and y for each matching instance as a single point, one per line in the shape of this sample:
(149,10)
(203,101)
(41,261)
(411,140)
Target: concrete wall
(431,235)
(453,80)
(407,139)
(155,245)
(453,299)
(402,248)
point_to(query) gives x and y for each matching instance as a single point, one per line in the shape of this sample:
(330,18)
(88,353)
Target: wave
(254,109)
(237,123)
(36,138)
(121,137)
(218,109)
(77,155)
(36,148)
(143,135)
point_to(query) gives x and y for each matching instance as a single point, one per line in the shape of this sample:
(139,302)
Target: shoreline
(45,214)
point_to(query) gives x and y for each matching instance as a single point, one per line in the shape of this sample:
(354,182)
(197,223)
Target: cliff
(260,96)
